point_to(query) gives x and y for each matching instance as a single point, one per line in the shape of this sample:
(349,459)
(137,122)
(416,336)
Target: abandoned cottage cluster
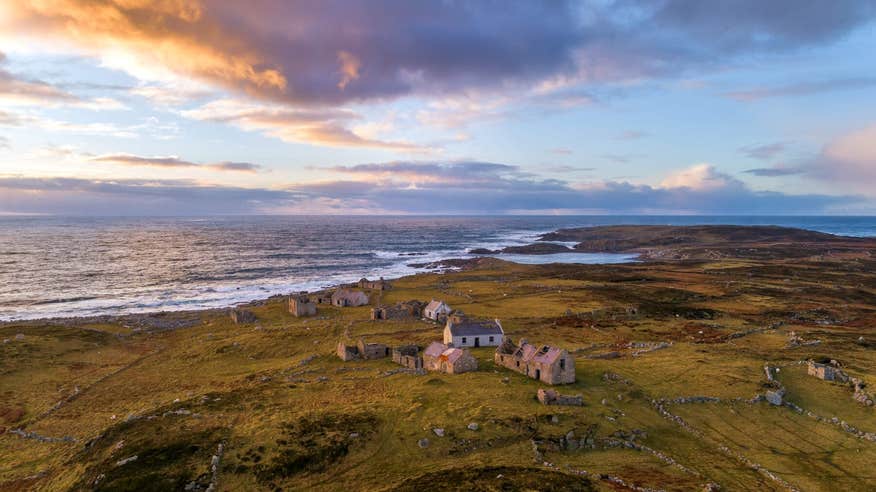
(549,365)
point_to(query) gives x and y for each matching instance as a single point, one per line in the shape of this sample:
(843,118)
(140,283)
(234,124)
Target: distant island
(692,242)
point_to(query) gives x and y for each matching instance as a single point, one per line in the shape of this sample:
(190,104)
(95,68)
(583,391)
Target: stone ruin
(344,297)
(550,365)
(551,397)
(445,358)
(831,370)
(861,394)
(242,316)
(828,370)
(775,396)
(407,310)
(300,305)
(639,348)
(795,340)
(362,350)
(407,356)
(381,284)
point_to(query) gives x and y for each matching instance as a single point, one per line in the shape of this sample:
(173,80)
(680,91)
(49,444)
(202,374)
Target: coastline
(618,244)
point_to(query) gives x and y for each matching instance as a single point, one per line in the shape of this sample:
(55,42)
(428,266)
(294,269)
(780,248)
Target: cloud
(74,196)
(18,91)
(411,187)
(9,119)
(350,66)
(801,89)
(700,177)
(174,162)
(619,158)
(150,126)
(478,187)
(4,143)
(763,151)
(849,160)
(315,126)
(561,151)
(745,25)
(632,135)
(335,52)
(174,94)
(846,162)
(776,171)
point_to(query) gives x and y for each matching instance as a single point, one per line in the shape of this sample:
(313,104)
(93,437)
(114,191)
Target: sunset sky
(188,107)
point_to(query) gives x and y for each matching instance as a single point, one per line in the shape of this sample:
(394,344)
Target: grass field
(292,416)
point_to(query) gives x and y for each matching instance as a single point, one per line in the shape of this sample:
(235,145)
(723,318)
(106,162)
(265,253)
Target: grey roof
(470,327)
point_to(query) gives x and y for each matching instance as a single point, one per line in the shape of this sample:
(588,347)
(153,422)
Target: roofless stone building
(544,363)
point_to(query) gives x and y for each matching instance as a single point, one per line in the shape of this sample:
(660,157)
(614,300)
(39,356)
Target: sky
(197,107)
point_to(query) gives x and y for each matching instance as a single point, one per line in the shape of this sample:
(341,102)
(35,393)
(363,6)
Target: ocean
(62,266)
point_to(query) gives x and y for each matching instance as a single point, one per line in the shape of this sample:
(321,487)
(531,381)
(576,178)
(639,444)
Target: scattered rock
(423,443)
(473,426)
(126,460)
(438,431)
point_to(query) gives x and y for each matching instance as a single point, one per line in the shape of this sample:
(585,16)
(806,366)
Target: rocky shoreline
(650,243)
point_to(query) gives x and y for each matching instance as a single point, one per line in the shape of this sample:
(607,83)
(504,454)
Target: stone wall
(408,356)
(560,370)
(465,363)
(301,306)
(372,350)
(551,397)
(347,352)
(241,316)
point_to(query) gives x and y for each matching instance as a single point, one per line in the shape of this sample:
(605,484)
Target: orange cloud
(176,34)
(315,126)
(174,162)
(350,66)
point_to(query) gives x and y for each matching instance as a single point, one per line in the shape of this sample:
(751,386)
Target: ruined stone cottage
(381,284)
(362,350)
(437,310)
(407,356)
(241,316)
(323,297)
(400,311)
(551,397)
(827,370)
(460,331)
(443,358)
(344,297)
(300,305)
(544,363)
